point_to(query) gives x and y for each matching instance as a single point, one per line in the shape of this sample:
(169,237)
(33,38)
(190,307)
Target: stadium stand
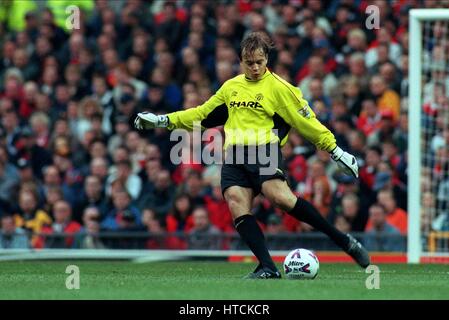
(72,163)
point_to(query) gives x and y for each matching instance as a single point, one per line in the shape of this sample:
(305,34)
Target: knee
(283,201)
(234,199)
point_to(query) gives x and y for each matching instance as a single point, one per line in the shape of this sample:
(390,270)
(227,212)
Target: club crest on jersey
(305,111)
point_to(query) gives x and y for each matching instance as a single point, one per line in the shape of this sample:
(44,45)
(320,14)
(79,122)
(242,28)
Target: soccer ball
(301,264)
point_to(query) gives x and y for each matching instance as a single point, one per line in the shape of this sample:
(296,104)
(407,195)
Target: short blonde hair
(39,117)
(357,33)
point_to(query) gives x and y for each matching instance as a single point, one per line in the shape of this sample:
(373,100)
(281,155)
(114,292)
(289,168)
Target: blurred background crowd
(71,161)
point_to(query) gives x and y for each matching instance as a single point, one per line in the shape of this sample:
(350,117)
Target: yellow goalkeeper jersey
(256,112)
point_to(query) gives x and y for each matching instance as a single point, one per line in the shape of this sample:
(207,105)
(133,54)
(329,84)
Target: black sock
(251,233)
(305,211)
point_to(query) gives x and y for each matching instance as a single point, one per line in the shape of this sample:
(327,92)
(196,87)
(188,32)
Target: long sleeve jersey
(256,112)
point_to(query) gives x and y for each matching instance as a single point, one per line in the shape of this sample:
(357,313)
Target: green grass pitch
(214,281)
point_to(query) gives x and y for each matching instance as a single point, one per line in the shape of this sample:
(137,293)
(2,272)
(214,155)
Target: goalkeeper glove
(148,120)
(345,161)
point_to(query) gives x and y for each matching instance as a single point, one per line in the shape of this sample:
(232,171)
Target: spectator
(157,238)
(382,236)
(262,209)
(277,234)
(160,196)
(124,216)
(357,145)
(219,213)
(92,196)
(329,166)
(12,237)
(296,164)
(317,93)
(348,186)
(404,81)
(9,168)
(400,134)
(317,71)
(180,217)
(357,70)
(21,62)
(172,93)
(40,124)
(390,74)
(88,237)
(368,172)
(342,224)
(29,216)
(203,234)
(386,99)
(53,195)
(127,86)
(385,41)
(52,179)
(170,25)
(274,224)
(27,148)
(353,94)
(386,179)
(356,42)
(26,176)
(98,167)
(394,215)
(60,233)
(155,100)
(121,128)
(352,213)
(6,185)
(193,187)
(131,181)
(103,94)
(317,188)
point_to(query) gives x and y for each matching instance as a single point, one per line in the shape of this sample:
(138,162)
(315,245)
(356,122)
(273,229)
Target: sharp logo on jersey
(245,104)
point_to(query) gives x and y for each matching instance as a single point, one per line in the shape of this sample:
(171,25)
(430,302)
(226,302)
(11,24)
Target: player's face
(254,64)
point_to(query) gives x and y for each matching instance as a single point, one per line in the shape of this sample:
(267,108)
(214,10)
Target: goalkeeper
(248,104)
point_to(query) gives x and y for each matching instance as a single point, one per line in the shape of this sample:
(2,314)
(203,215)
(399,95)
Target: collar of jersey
(266,74)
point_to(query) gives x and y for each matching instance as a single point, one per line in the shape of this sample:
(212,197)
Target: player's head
(254,51)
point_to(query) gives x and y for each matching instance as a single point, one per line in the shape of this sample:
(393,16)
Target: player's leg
(239,200)
(280,194)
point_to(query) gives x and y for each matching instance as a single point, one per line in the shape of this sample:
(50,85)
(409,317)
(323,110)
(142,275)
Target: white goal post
(418,18)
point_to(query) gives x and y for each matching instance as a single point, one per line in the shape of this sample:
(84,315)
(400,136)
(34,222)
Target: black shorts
(244,167)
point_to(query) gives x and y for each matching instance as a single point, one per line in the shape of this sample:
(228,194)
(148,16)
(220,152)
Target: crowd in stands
(72,162)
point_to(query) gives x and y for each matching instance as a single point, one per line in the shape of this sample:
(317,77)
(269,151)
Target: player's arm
(212,111)
(295,110)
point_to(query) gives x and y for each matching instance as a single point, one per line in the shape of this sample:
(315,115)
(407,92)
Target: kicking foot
(263,273)
(358,252)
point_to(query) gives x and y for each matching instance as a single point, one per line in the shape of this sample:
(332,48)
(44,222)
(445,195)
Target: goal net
(428,170)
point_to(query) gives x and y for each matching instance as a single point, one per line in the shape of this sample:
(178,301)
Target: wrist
(336,153)
(163,121)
